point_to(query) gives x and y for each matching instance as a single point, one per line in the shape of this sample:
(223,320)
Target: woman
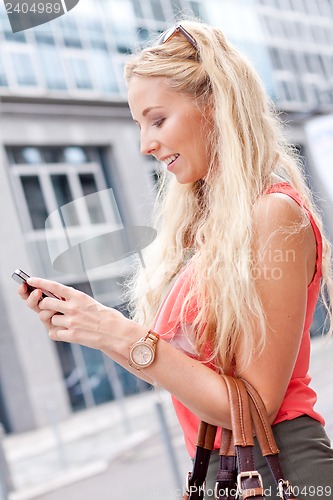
(232,280)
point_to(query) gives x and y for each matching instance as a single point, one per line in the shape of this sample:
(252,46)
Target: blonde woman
(232,280)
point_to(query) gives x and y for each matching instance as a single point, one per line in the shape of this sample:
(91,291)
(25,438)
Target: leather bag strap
(267,441)
(248,414)
(226,479)
(195,487)
(249,480)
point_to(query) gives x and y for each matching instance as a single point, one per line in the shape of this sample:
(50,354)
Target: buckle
(248,474)
(284,484)
(188,477)
(190,489)
(216,491)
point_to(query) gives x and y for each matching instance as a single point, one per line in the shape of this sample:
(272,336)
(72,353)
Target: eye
(158,123)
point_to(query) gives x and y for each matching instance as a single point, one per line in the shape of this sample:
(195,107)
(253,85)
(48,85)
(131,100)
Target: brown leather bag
(237,474)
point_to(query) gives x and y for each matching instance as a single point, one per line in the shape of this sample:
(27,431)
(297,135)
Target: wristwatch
(142,353)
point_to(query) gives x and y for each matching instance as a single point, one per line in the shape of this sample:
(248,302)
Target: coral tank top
(299,398)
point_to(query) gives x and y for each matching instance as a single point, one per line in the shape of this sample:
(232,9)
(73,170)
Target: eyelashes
(158,123)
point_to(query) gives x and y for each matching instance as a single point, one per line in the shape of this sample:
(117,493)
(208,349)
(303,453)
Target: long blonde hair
(215,216)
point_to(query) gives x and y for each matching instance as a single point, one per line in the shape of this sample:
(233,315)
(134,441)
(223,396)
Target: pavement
(85,444)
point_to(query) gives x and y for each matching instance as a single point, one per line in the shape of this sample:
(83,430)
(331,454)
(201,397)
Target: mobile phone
(21,277)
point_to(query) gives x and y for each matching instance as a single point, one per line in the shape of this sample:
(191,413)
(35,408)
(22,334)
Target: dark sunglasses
(171,32)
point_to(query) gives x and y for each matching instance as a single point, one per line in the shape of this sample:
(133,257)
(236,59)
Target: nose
(148,145)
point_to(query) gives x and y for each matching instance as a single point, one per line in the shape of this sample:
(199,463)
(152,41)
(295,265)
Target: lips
(170,159)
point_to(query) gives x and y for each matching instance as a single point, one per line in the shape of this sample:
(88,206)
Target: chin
(187,180)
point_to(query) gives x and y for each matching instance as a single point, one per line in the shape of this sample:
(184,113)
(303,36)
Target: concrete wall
(32,386)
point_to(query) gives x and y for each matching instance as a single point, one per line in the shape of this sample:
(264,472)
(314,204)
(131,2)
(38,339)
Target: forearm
(198,387)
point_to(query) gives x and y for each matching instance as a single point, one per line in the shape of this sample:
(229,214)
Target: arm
(87,322)
(285,270)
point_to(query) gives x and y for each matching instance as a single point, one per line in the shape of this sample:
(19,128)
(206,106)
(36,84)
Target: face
(172,127)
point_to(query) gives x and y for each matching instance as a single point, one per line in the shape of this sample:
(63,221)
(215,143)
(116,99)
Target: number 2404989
(35,8)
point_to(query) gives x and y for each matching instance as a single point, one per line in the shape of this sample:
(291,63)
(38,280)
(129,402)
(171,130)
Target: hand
(78,318)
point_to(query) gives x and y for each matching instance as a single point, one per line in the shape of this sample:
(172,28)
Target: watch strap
(151,339)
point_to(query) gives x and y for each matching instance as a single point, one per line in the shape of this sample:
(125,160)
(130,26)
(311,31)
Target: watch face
(143,354)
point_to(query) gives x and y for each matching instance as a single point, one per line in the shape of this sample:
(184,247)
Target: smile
(170,159)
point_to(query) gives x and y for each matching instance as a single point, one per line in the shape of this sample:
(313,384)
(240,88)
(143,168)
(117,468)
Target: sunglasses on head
(171,32)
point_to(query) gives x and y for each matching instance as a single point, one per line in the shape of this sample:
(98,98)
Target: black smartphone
(21,277)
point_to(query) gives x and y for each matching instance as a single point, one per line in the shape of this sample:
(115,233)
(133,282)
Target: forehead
(145,92)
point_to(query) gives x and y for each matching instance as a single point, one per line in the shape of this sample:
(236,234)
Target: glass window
(94,206)
(74,154)
(105,78)
(294,61)
(43,36)
(143,35)
(15,37)
(71,374)
(138,8)
(286,94)
(286,5)
(18,155)
(312,62)
(197,9)
(301,92)
(324,7)
(177,7)
(54,154)
(274,26)
(52,68)
(325,96)
(64,196)
(35,200)
(298,5)
(322,65)
(121,24)
(97,375)
(61,187)
(3,78)
(319,34)
(80,73)
(303,31)
(23,69)
(6,28)
(276,58)
(68,154)
(70,32)
(124,38)
(157,10)
(95,34)
(312,7)
(28,155)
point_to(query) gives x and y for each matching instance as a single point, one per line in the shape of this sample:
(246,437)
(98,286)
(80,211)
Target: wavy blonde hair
(215,216)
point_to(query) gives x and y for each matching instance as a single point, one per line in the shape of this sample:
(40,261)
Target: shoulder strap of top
(286,188)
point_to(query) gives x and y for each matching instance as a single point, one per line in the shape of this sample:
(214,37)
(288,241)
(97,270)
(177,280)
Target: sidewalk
(85,444)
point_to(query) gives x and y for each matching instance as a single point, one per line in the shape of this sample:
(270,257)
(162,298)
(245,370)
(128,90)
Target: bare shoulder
(285,227)
(275,210)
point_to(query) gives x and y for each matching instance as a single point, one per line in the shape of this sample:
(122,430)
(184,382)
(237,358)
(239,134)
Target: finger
(45,316)
(34,299)
(54,305)
(23,291)
(58,289)
(60,335)
(58,320)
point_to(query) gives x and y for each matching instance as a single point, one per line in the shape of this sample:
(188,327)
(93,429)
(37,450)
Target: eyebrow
(146,111)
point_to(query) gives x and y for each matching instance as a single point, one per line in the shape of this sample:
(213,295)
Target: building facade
(71,171)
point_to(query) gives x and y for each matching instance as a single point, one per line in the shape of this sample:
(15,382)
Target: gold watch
(142,353)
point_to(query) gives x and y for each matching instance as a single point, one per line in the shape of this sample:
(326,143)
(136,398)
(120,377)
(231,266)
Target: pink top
(299,398)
